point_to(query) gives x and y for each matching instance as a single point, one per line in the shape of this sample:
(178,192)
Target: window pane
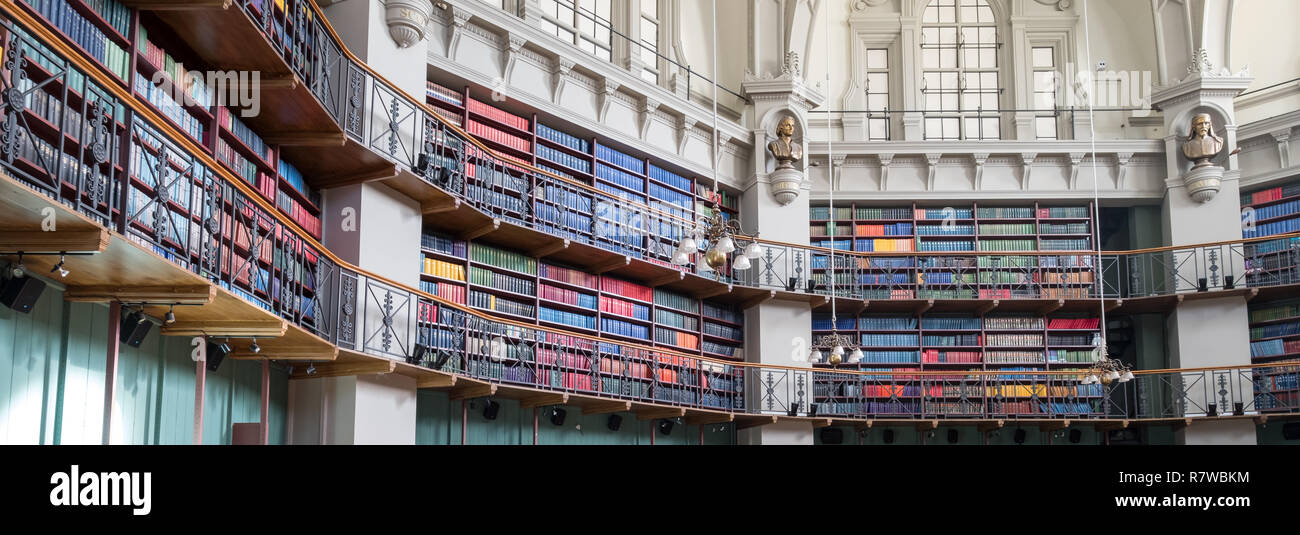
(930,58)
(649,76)
(948,58)
(988,79)
(988,35)
(985,14)
(947,14)
(877,58)
(989,101)
(948,36)
(650,8)
(949,101)
(929,36)
(1044,81)
(1045,127)
(877,101)
(931,101)
(989,58)
(1044,101)
(931,14)
(1043,57)
(991,128)
(970,101)
(877,129)
(968,13)
(878,82)
(948,80)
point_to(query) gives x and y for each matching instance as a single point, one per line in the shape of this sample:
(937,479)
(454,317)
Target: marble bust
(783,149)
(1202,144)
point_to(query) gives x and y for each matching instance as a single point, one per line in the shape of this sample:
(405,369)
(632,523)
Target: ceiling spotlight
(170,318)
(255,348)
(58,268)
(18,270)
(311,368)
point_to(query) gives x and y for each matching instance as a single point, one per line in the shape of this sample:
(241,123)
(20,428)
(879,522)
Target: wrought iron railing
(131,175)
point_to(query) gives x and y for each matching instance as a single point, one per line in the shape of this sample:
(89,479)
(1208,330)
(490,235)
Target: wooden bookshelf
(1275,340)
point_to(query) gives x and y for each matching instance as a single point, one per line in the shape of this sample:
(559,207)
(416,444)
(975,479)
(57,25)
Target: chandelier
(837,343)
(1106,370)
(724,237)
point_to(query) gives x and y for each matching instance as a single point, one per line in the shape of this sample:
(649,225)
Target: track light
(311,368)
(58,268)
(170,318)
(17,270)
(254,347)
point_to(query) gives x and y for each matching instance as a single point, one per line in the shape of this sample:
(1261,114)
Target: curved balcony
(210,228)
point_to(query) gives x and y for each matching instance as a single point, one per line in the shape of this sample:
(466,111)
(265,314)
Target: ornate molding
(1122,159)
(979,158)
(459,21)
(1027,165)
(1060,5)
(514,45)
(608,88)
(685,125)
(1283,140)
(407,20)
(932,163)
(560,70)
(1076,158)
(649,107)
(886,160)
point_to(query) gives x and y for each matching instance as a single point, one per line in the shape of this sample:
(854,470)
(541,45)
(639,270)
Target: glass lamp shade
(689,244)
(816,356)
(704,266)
(725,245)
(856,356)
(838,351)
(1128,376)
(1112,375)
(680,258)
(754,251)
(741,263)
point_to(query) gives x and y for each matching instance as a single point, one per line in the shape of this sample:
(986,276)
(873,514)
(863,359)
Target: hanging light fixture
(1106,371)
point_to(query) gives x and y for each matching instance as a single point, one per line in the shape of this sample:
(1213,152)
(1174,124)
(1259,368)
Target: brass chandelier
(724,237)
(1106,370)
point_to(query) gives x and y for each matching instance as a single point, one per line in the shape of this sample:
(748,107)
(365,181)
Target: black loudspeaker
(1291,431)
(832,435)
(952,436)
(418,354)
(134,328)
(216,353)
(557,416)
(1075,436)
(1212,410)
(812,285)
(1228,283)
(490,410)
(21,293)
(1020,436)
(1202,285)
(887,436)
(665,427)
(614,422)
(794,409)
(792,284)
(1238,409)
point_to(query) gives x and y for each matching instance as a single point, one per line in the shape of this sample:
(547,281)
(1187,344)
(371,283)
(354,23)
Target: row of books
(943,213)
(245,169)
(1006,228)
(1274,330)
(1013,322)
(890,357)
(446,270)
(719,349)
(570,141)
(449,116)
(1271,246)
(969,340)
(1074,323)
(889,229)
(883,245)
(502,258)
(1013,357)
(1275,347)
(1064,245)
(619,177)
(626,289)
(237,128)
(626,161)
(672,197)
(1285,226)
(942,322)
(438,92)
(620,307)
(294,179)
(889,340)
(1275,312)
(488,301)
(86,34)
(1001,212)
(945,230)
(495,198)
(669,299)
(565,317)
(176,73)
(1287,381)
(1271,194)
(723,331)
(623,328)
(1073,339)
(1014,340)
(728,199)
(163,102)
(565,295)
(1064,212)
(668,177)
(681,321)
(820,213)
(569,275)
(1007,245)
(443,244)
(300,214)
(485,131)
(497,114)
(1063,228)
(564,158)
(52,109)
(944,246)
(1070,356)
(676,338)
(446,290)
(113,12)
(822,322)
(501,281)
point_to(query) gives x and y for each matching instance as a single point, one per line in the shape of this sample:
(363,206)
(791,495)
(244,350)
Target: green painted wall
(439,423)
(52,383)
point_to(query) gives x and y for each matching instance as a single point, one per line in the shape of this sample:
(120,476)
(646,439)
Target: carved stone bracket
(514,44)
(559,77)
(979,158)
(1027,166)
(886,159)
(459,18)
(1076,158)
(932,161)
(648,108)
(1283,139)
(1121,177)
(687,124)
(607,89)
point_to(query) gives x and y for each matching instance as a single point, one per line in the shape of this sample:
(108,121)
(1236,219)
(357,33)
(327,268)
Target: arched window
(960,85)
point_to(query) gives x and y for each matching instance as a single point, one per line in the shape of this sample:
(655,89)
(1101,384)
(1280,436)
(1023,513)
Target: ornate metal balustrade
(130,176)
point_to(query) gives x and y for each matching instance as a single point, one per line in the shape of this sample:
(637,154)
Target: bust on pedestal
(785,178)
(1204,178)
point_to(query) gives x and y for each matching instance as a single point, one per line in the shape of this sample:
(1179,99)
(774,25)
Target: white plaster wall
(780,433)
(1226,432)
(340,405)
(390,225)
(1263,37)
(385,409)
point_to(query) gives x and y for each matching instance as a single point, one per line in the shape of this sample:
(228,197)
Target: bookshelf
(1268,212)
(1056,240)
(600,164)
(1275,339)
(959,343)
(528,290)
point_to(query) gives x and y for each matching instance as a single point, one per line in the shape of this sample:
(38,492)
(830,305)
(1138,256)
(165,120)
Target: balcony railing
(124,168)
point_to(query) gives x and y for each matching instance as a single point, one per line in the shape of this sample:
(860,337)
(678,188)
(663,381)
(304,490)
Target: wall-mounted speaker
(1020,436)
(1291,431)
(21,293)
(1075,436)
(557,416)
(832,435)
(491,409)
(614,422)
(665,427)
(134,328)
(216,353)
(887,436)
(953,435)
